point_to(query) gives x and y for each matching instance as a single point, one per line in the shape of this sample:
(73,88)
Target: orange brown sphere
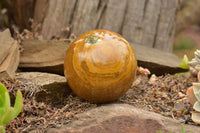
(100,66)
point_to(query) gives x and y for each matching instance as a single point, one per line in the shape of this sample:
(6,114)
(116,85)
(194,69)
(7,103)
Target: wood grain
(149,23)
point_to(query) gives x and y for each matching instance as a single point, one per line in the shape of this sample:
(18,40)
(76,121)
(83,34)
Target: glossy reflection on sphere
(100,66)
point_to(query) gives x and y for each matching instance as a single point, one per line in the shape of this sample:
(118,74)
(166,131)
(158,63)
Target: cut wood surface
(5,44)
(9,55)
(10,64)
(144,22)
(38,56)
(44,55)
(40,53)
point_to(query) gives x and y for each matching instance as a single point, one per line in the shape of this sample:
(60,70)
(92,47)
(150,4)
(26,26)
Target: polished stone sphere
(100,66)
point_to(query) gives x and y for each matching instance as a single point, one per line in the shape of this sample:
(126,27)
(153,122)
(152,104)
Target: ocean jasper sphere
(100,66)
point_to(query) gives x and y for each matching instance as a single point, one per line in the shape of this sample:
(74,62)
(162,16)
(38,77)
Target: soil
(165,95)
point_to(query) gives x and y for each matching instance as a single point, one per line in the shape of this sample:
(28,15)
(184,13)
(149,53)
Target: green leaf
(1,101)
(2,111)
(2,93)
(2,129)
(7,113)
(7,101)
(184,64)
(18,103)
(4,97)
(12,113)
(4,100)
(8,116)
(182,129)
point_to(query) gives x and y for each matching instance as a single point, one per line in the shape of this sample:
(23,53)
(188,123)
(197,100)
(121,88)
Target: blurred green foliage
(1,4)
(184,74)
(184,43)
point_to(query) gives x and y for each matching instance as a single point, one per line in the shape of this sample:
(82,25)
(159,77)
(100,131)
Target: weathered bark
(20,11)
(145,22)
(41,7)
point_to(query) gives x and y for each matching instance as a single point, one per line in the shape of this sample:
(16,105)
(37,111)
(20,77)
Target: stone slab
(44,55)
(49,88)
(122,118)
(48,56)
(158,62)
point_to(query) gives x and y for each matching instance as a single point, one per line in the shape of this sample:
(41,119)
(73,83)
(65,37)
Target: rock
(48,56)
(39,78)
(122,118)
(49,88)
(9,55)
(158,62)
(44,55)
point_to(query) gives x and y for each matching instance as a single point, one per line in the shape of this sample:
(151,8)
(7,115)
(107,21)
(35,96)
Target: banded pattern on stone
(100,66)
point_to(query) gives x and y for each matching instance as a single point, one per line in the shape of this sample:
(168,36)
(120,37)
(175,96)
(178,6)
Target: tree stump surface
(144,22)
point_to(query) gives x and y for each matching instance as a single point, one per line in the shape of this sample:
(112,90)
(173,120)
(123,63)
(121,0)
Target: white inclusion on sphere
(78,41)
(105,35)
(108,36)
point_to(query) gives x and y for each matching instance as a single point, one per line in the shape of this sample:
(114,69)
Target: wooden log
(144,22)
(9,55)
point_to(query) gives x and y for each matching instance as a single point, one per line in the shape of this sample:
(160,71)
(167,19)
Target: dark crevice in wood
(33,10)
(7,4)
(99,5)
(171,32)
(157,26)
(144,9)
(4,58)
(102,13)
(171,28)
(73,12)
(72,16)
(124,16)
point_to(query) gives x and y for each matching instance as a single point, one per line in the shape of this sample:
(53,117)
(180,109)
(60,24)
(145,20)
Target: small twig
(65,107)
(151,108)
(26,129)
(162,107)
(173,116)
